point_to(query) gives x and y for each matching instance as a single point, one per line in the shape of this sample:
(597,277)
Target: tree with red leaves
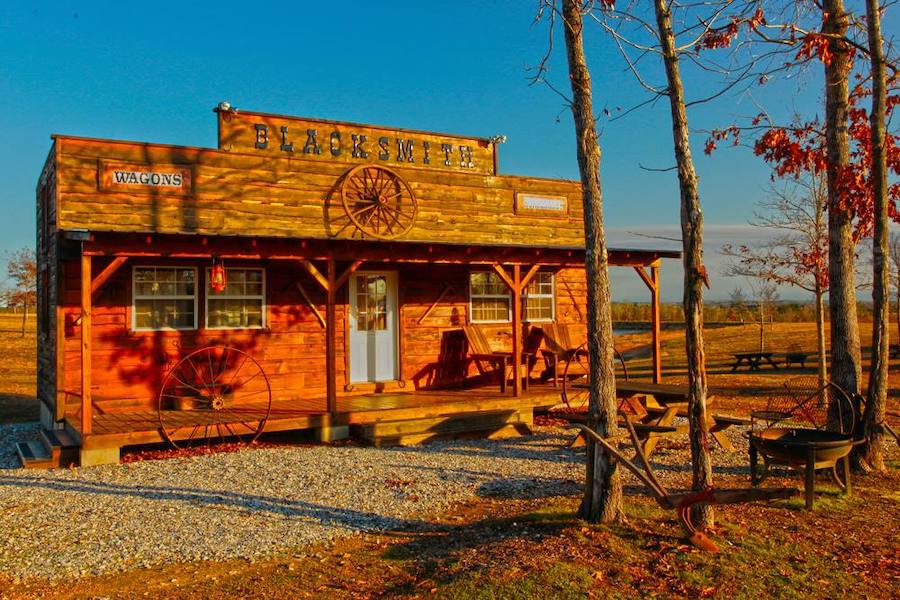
(856,153)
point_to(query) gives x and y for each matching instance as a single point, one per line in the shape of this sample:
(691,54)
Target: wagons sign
(320,140)
(155,178)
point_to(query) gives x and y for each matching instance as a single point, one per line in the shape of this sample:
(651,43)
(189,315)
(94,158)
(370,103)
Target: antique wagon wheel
(214,393)
(576,377)
(378,201)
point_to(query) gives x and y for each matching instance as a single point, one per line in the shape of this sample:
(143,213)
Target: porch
(396,417)
(107,395)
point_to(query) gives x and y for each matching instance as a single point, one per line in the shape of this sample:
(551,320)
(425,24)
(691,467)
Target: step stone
(33,455)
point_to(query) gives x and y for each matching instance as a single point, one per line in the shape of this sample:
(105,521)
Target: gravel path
(256,502)
(252,503)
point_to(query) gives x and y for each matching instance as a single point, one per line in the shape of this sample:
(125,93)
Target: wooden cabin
(341,261)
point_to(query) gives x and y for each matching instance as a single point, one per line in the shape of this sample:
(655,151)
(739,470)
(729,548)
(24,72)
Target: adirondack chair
(480,352)
(560,348)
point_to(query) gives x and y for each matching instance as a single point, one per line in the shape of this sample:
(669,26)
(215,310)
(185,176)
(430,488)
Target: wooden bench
(717,425)
(644,431)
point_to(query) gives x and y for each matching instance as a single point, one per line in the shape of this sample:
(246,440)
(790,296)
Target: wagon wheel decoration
(577,376)
(214,393)
(378,201)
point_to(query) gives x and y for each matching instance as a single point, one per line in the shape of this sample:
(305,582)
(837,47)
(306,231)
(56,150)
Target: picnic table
(753,360)
(654,407)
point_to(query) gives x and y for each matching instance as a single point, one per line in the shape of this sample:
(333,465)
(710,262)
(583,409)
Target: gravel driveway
(259,501)
(252,503)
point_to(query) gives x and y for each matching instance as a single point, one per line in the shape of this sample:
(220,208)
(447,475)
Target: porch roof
(262,248)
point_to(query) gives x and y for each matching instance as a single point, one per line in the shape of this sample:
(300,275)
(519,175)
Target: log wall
(128,366)
(48,283)
(241,193)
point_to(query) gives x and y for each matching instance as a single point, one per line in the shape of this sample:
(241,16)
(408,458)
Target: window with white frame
(164,298)
(538,300)
(241,304)
(490,299)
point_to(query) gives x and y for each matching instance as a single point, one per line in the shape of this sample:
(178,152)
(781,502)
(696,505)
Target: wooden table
(656,405)
(753,360)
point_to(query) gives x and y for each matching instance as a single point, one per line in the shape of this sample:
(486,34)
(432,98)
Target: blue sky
(153,73)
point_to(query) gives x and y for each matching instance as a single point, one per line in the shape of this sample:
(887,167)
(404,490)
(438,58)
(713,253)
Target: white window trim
(207,295)
(507,296)
(134,298)
(551,295)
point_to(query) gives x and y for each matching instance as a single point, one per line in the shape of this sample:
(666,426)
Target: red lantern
(217,276)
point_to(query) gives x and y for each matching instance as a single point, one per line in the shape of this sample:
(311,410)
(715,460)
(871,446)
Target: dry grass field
(535,548)
(17,370)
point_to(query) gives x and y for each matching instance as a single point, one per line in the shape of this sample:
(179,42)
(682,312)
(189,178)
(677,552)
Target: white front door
(373,327)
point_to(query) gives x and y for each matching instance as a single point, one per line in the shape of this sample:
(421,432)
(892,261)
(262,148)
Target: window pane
(143,274)
(164,314)
(234,312)
(490,309)
(164,298)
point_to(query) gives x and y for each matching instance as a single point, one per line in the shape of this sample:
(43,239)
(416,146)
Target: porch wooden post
(517,330)
(654,323)
(330,341)
(652,282)
(86,284)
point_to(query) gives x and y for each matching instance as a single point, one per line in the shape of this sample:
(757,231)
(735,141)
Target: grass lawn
(509,548)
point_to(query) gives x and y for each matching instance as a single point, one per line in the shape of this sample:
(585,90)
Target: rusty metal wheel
(214,393)
(378,201)
(577,376)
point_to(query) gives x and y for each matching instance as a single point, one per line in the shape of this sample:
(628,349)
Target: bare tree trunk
(762,333)
(820,335)
(873,450)
(898,309)
(694,271)
(602,500)
(845,354)
(24,318)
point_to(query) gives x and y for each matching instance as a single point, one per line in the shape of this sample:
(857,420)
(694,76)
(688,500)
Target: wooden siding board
(128,366)
(239,194)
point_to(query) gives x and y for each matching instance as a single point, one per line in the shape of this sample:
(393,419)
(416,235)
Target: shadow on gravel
(550,447)
(444,554)
(296,509)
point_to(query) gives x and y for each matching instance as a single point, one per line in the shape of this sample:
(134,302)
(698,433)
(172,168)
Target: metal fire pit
(785,440)
(810,449)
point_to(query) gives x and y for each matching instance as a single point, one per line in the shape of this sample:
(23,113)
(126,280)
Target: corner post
(517,330)
(654,323)
(86,309)
(330,341)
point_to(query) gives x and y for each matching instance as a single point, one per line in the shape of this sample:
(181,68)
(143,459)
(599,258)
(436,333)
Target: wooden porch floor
(143,427)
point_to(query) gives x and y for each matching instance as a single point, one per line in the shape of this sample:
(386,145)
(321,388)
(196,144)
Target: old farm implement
(214,393)
(682,502)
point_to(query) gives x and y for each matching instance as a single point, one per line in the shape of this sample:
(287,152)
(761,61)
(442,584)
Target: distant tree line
(729,312)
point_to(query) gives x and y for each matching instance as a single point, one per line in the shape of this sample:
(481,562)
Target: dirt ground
(502,548)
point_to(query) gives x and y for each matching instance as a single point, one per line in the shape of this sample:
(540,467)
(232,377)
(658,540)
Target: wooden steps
(56,448)
(494,424)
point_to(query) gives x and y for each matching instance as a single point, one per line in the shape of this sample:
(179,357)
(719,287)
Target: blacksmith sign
(320,140)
